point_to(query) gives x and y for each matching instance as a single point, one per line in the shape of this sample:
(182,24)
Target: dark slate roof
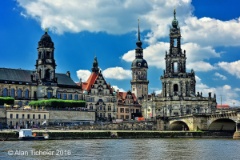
(63,79)
(21,75)
(8,74)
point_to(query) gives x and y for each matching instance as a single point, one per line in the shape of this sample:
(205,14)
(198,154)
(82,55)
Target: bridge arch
(178,126)
(222,124)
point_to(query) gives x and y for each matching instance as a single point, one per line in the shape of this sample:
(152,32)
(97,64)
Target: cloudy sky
(107,29)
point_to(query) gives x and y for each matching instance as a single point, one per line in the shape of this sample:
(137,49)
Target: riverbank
(118,134)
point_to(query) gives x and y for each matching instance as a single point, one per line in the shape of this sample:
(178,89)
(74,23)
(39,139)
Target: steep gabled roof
(91,80)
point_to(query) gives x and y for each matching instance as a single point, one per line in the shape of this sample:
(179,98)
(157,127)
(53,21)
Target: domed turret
(46,41)
(141,63)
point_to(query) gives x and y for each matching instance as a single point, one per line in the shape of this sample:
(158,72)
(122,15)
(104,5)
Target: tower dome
(46,41)
(139,63)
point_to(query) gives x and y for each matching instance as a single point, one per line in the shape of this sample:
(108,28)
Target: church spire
(95,65)
(175,21)
(139,43)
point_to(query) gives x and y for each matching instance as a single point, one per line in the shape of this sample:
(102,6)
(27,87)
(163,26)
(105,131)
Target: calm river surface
(124,149)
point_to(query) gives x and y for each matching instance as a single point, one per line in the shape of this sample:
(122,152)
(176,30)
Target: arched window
(47,74)
(70,96)
(175,42)
(19,93)
(12,92)
(175,88)
(26,93)
(5,92)
(175,67)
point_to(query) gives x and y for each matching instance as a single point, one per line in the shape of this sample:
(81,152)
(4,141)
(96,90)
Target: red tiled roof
(87,85)
(123,95)
(226,106)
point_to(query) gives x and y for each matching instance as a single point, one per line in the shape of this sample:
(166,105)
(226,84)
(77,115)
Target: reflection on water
(183,149)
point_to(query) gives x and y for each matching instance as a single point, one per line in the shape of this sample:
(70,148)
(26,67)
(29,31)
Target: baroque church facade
(178,96)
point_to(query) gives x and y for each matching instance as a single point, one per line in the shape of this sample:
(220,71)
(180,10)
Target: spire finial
(174,12)
(46,30)
(138,31)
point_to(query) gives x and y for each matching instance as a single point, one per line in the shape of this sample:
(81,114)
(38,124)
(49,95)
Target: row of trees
(6,100)
(47,103)
(58,103)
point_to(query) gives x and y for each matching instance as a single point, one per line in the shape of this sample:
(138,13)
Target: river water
(123,149)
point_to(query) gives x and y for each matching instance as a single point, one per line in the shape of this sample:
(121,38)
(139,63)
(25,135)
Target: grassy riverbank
(107,134)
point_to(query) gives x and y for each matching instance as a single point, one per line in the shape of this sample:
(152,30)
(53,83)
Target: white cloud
(220,76)
(119,89)
(117,73)
(83,74)
(225,94)
(155,54)
(209,31)
(200,66)
(231,67)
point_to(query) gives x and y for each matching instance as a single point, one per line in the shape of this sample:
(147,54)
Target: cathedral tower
(139,82)
(175,80)
(45,64)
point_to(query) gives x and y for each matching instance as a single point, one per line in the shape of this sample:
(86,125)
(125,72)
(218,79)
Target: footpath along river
(166,149)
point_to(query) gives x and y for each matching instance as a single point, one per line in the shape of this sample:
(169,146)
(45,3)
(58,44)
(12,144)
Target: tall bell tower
(139,82)
(45,64)
(175,80)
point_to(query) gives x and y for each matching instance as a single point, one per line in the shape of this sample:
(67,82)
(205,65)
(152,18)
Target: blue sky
(107,29)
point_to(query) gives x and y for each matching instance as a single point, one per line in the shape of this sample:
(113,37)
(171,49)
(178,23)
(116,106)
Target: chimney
(68,74)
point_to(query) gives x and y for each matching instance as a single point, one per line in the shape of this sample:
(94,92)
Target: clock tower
(139,82)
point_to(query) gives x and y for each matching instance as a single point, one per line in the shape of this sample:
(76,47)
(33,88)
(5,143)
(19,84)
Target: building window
(137,110)
(122,110)
(28,116)
(19,93)
(59,95)
(39,116)
(49,94)
(127,110)
(76,97)
(22,116)
(44,116)
(11,115)
(26,93)
(12,92)
(127,117)
(16,116)
(64,96)
(33,116)
(100,108)
(5,92)
(70,96)
(109,115)
(122,116)
(109,108)
(175,67)
(91,107)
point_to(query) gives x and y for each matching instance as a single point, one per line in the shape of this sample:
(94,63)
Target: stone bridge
(214,122)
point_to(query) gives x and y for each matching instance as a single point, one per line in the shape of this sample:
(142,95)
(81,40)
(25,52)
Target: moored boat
(26,134)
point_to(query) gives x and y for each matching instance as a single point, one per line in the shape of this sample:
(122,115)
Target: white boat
(26,134)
